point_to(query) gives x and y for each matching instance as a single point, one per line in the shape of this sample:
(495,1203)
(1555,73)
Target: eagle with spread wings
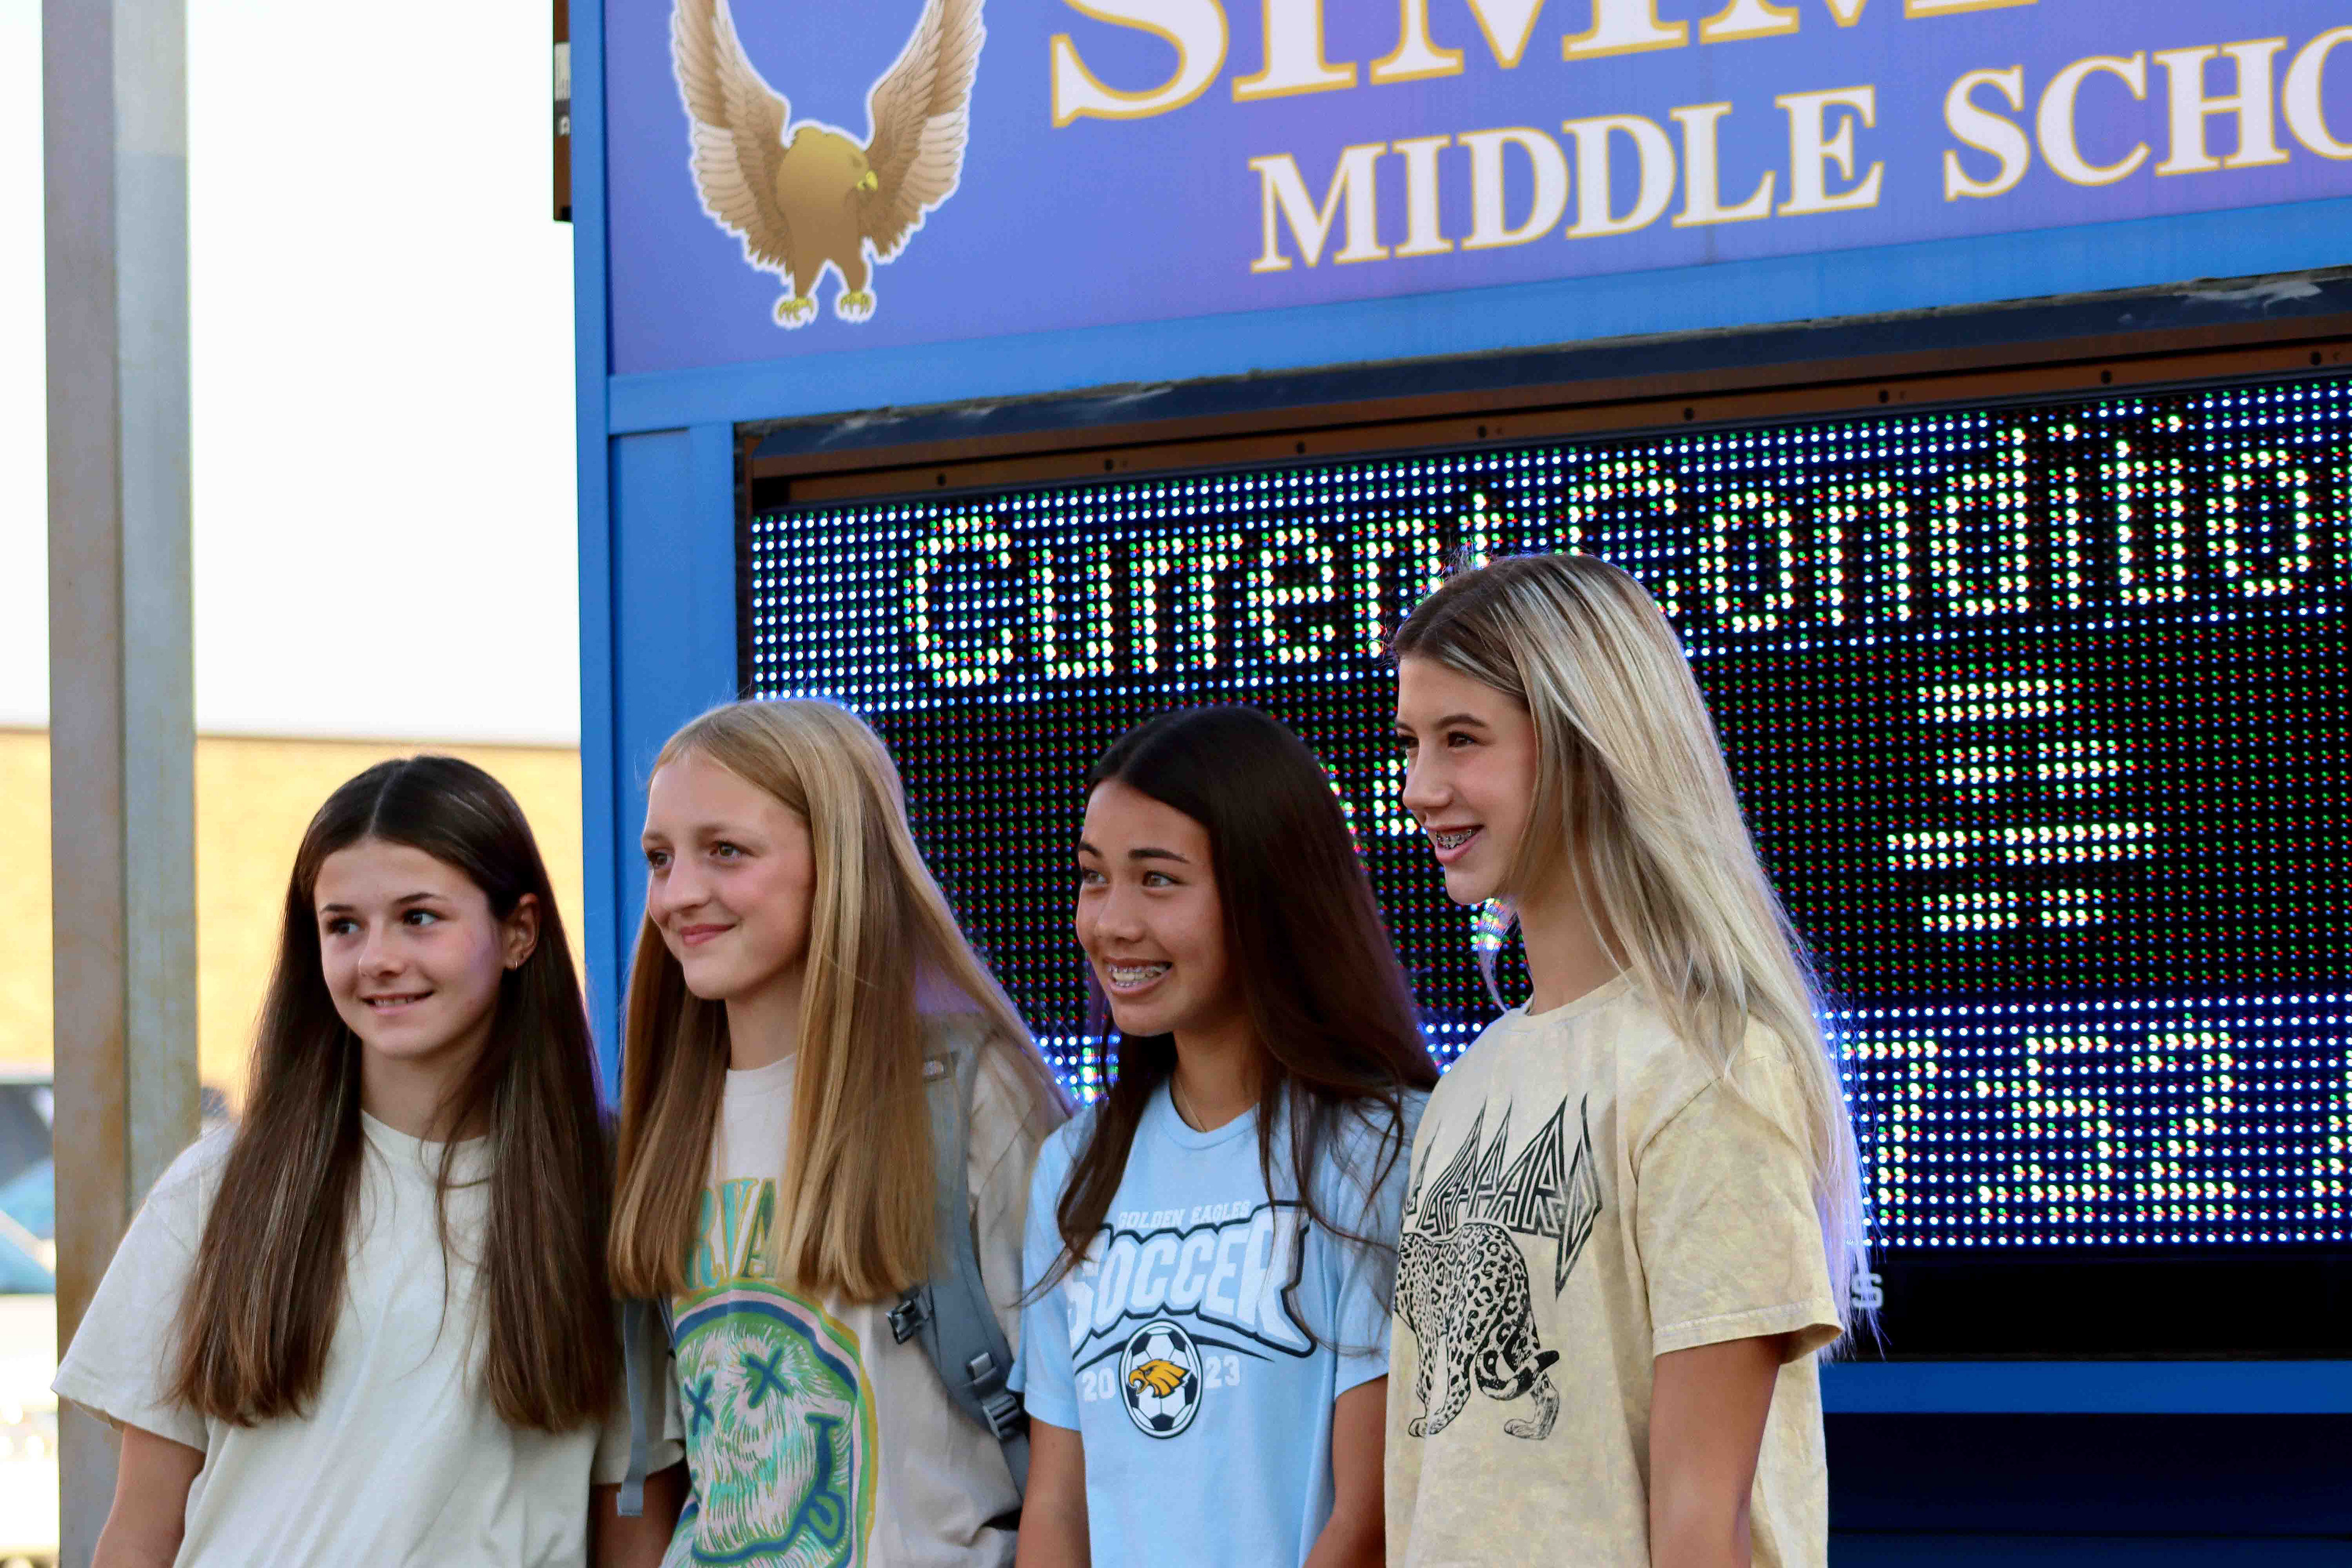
(804,195)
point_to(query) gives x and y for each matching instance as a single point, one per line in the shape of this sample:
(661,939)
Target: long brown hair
(854,1209)
(268,1284)
(1327,1003)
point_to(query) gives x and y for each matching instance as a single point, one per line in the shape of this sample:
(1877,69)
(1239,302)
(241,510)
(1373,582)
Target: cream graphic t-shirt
(1585,1198)
(401,1461)
(812,1436)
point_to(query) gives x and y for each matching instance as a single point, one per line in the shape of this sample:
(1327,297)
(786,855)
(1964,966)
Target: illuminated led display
(2038,712)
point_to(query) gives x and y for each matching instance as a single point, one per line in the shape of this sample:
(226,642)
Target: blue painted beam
(2322,304)
(591,363)
(1860,1549)
(674,652)
(2153,252)
(656,579)
(2105,1388)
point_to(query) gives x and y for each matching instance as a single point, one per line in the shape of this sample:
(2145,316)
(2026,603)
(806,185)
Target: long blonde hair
(1631,775)
(854,1210)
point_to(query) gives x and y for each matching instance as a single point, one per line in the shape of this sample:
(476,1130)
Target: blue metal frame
(656,578)
(2088,1388)
(600,807)
(656,495)
(2247,243)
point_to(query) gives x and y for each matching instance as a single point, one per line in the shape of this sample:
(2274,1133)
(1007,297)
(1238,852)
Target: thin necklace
(1177,1101)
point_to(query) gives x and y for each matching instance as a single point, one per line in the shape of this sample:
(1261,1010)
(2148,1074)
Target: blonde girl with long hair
(799,986)
(1634,1210)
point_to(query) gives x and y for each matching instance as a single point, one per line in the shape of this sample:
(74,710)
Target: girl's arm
(1053,1513)
(618,1542)
(152,1479)
(1356,1535)
(1707,1407)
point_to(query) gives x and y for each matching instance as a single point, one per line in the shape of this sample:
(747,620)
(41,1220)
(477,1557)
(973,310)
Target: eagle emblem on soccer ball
(804,195)
(1160,1379)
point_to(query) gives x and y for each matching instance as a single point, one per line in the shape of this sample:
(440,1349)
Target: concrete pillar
(122,718)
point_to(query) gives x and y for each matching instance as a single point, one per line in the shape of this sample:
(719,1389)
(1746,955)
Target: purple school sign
(788,179)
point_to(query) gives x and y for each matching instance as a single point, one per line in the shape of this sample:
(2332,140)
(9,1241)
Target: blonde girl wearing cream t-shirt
(1634,1205)
(797,977)
(371,1325)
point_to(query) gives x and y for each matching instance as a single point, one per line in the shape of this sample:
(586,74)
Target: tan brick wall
(25,894)
(254,798)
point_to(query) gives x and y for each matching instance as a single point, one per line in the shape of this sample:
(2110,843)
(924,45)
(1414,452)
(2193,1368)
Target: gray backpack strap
(642,1362)
(951,1311)
(639,1366)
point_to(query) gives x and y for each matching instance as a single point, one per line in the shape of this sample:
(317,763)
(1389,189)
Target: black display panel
(2038,713)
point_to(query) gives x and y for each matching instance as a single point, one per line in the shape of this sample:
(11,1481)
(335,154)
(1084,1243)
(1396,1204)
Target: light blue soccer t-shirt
(1198,1349)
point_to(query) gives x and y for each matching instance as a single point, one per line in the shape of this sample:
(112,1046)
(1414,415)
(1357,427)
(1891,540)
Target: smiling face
(730,878)
(1150,916)
(1471,760)
(413,954)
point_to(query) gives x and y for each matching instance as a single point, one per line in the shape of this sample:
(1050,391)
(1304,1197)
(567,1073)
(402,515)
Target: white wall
(382,349)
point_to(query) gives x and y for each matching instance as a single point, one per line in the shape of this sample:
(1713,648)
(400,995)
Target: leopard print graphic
(1465,1298)
(1463,1287)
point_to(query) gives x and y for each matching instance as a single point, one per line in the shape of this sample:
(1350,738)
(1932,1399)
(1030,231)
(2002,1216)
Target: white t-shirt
(1587,1197)
(812,1436)
(402,1460)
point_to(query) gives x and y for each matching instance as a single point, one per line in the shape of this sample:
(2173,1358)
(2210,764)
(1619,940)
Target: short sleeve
(1042,1375)
(1365,1189)
(664,1427)
(1731,1242)
(118,1364)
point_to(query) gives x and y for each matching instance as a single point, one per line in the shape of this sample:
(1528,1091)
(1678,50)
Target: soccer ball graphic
(1160,1378)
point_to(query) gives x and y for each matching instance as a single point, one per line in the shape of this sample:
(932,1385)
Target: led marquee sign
(2039,713)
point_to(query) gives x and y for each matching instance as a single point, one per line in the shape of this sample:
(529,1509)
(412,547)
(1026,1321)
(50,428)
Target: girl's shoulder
(1010,1105)
(945,1033)
(1612,1044)
(1678,1080)
(1369,1146)
(1371,1122)
(1064,1144)
(201,1161)
(183,1196)
(200,1164)
(1613,1027)
(1769,1073)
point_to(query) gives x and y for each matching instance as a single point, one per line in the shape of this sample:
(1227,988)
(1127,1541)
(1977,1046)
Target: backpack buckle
(999,1405)
(907,1318)
(1005,1415)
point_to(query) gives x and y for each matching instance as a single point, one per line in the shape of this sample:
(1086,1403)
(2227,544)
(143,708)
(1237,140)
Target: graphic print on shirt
(1171,1305)
(780,1428)
(1159,1374)
(1463,1284)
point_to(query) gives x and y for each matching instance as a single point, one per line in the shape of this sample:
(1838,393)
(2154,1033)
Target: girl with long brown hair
(371,1323)
(799,994)
(1623,1372)
(1210,1244)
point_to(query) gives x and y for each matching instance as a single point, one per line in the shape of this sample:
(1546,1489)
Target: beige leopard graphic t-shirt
(1586,1197)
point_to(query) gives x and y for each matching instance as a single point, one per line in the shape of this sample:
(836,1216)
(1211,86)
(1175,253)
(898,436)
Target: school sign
(787,179)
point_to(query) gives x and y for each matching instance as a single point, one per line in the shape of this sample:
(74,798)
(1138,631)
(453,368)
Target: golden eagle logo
(1162,1377)
(804,195)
